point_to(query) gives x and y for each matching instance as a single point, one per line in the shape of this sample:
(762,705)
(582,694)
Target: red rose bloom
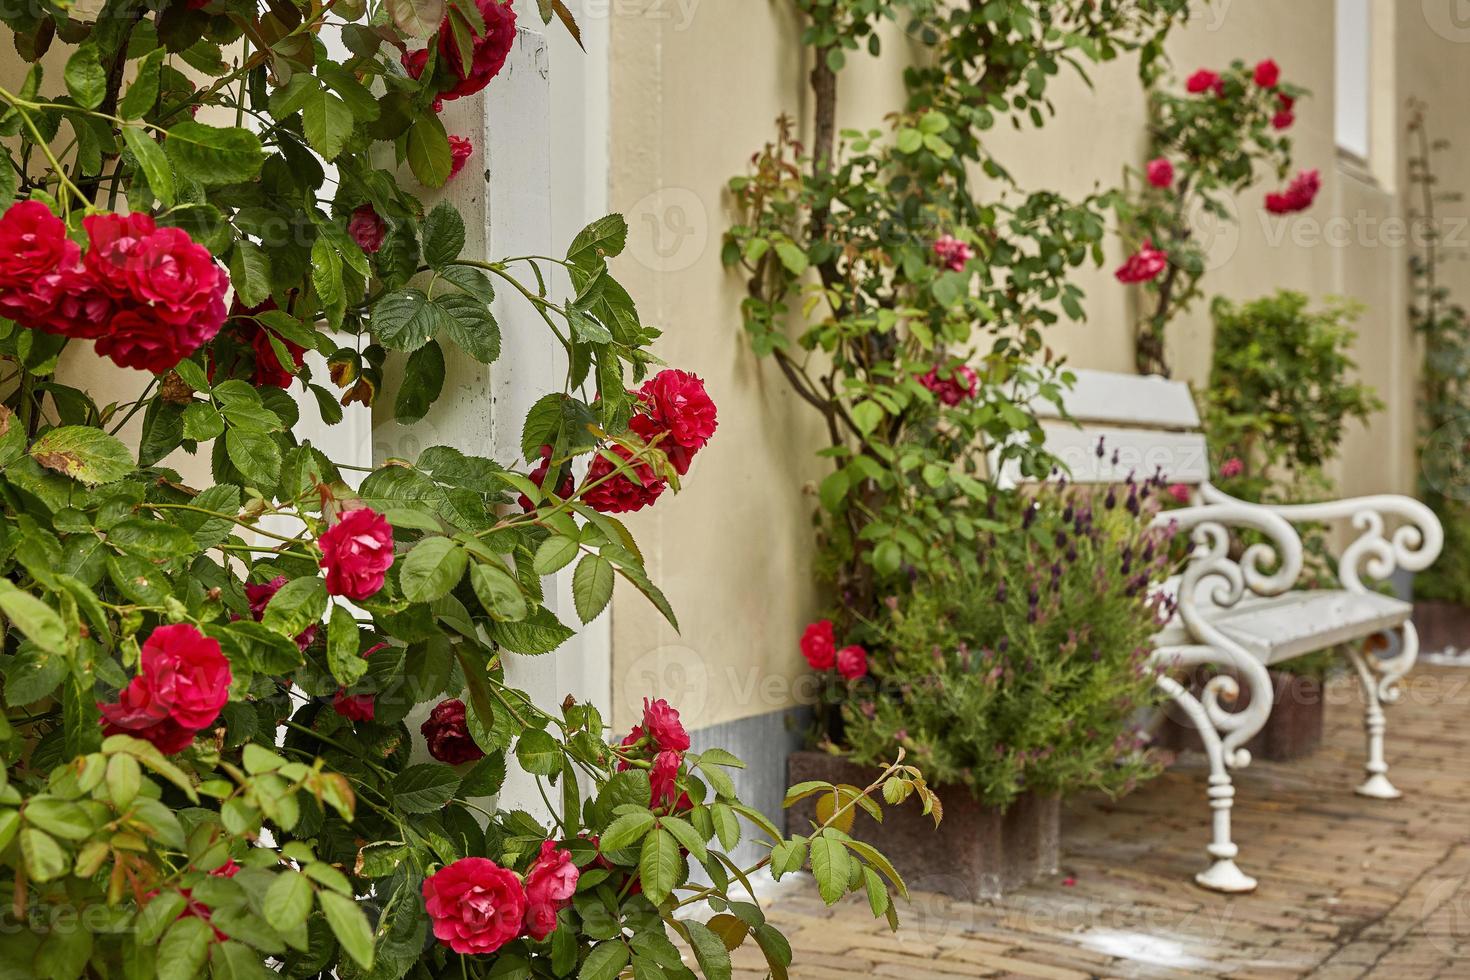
(1282,120)
(177,276)
(619,494)
(487,58)
(550,885)
(357,552)
(476,906)
(354,707)
(1268,73)
(1144,265)
(366,228)
(661,779)
(677,402)
(1161,173)
(1298,196)
(819,646)
(1204,80)
(460,150)
(1180,492)
(661,723)
(269,371)
(1232,467)
(111,239)
(32,242)
(952,253)
(260,596)
(961,384)
(182,683)
(538,477)
(852,662)
(138,339)
(448,734)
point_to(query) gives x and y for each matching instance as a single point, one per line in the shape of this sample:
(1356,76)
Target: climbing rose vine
(261,716)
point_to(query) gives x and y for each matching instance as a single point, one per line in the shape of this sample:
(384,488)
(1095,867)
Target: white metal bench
(1238,613)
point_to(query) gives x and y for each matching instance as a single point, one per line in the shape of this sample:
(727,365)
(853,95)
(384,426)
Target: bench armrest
(1413,545)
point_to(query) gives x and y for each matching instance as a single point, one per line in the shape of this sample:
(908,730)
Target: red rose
(1161,173)
(1179,492)
(961,384)
(448,734)
(1298,196)
(488,55)
(1144,265)
(32,242)
(476,906)
(1286,102)
(366,228)
(1204,80)
(538,477)
(619,494)
(1268,73)
(629,741)
(661,779)
(852,662)
(260,596)
(677,402)
(67,302)
(460,150)
(111,239)
(819,646)
(952,253)
(269,371)
(550,885)
(1282,120)
(138,339)
(357,552)
(661,723)
(1232,467)
(182,683)
(354,707)
(177,276)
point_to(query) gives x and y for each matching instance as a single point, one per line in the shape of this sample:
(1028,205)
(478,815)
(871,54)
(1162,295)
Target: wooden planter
(976,853)
(1293,731)
(1442,625)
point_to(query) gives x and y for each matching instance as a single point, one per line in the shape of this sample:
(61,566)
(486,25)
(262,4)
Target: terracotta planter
(976,853)
(1442,625)
(1293,731)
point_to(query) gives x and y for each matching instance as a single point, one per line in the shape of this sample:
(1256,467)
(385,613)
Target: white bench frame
(1154,425)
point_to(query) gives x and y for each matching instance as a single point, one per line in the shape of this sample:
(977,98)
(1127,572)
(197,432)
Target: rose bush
(216,642)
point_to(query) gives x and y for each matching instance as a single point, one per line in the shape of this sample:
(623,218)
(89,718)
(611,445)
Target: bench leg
(1222,875)
(1376,785)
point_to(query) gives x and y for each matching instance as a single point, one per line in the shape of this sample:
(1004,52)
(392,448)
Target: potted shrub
(1011,681)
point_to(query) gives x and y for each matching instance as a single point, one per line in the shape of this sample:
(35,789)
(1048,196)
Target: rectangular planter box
(1293,731)
(1442,625)
(977,853)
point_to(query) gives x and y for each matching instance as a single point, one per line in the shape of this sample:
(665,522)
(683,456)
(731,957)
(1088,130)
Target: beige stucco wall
(695,94)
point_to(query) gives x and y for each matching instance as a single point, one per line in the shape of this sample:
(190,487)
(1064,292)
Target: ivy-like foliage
(211,763)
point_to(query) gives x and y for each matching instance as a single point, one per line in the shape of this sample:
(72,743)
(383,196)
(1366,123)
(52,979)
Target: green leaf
(428,151)
(540,632)
(45,859)
(555,553)
(601,240)
(792,257)
(405,320)
(326,271)
(152,540)
(625,831)
(470,324)
(424,788)
(59,818)
(83,453)
(250,274)
(288,901)
(659,865)
(214,155)
(538,753)
(432,569)
(605,962)
(443,234)
(423,382)
(830,866)
(296,607)
(256,455)
(153,161)
(343,641)
(867,415)
(687,836)
(86,80)
(499,592)
(350,926)
(184,949)
(327,122)
(709,950)
(38,621)
(143,92)
(592,586)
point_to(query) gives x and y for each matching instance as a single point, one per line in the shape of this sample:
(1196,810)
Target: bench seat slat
(1279,628)
(1181,456)
(1127,400)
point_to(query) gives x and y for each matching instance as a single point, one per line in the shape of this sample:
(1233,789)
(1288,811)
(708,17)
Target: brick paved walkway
(1349,887)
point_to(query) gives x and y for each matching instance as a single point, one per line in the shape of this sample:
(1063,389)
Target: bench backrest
(1147,424)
